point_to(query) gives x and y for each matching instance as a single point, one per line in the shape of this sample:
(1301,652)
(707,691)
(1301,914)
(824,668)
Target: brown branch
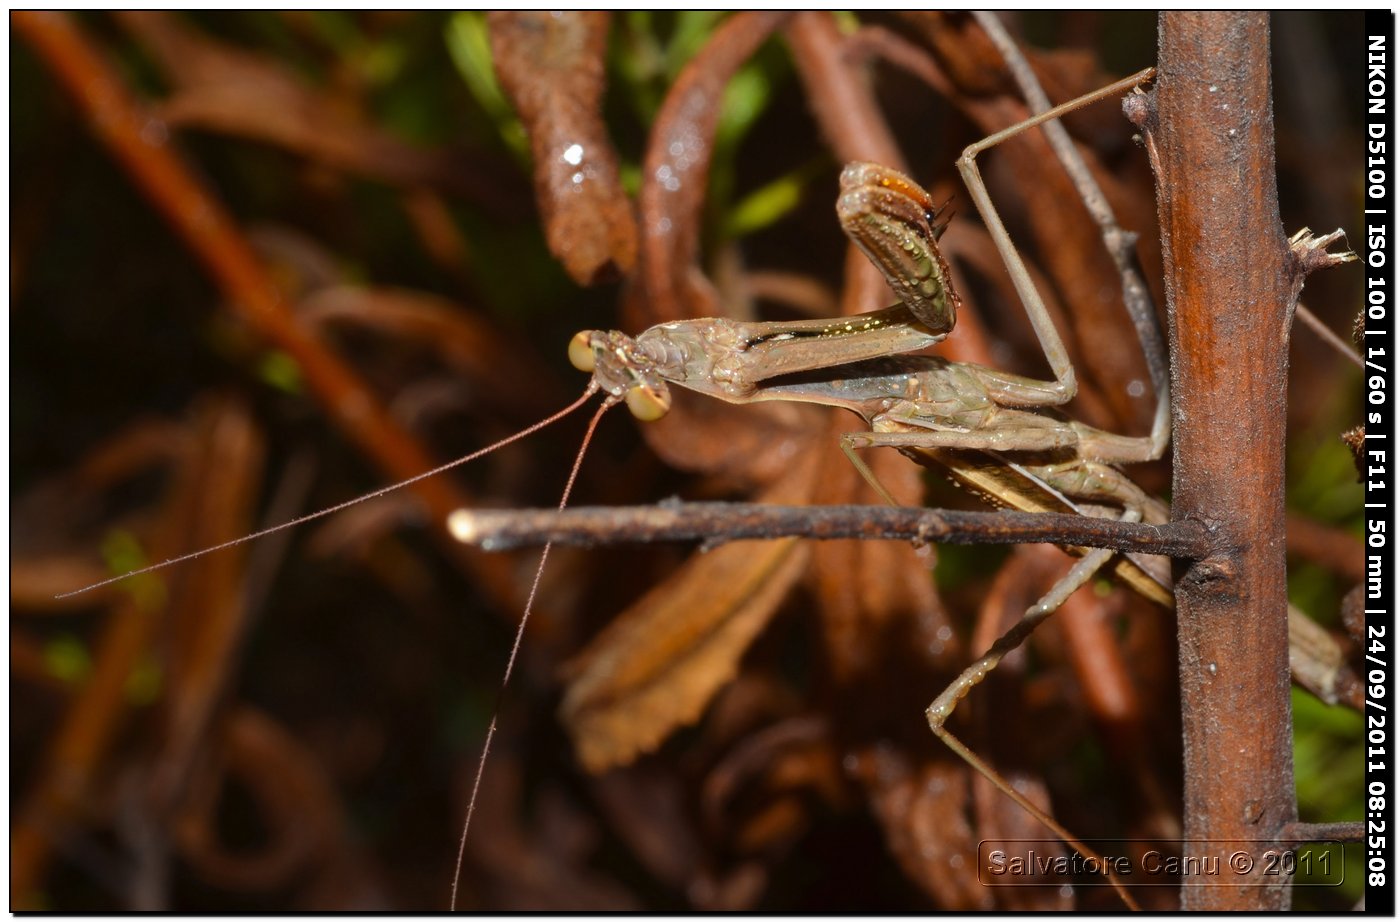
(1336,549)
(134,138)
(1229,280)
(841,100)
(1322,832)
(717,523)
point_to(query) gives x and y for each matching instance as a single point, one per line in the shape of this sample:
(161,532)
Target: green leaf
(67,659)
(693,28)
(144,683)
(123,553)
(470,47)
(281,371)
(768,204)
(745,98)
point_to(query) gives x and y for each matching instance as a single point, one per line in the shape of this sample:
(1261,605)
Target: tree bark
(1229,282)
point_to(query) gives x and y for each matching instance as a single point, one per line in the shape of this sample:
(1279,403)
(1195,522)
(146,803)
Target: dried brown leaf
(651,811)
(509,379)
(538,858)
(763,789)
(206,642)
(79,749)
(923,812)
(226,89)
(551,66)
(308,839)
(656,667)
(675,174)
(1317,662)
(35,580)
(748,445)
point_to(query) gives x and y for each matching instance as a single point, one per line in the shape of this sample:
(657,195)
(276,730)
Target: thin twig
(717,523)
(1322,832)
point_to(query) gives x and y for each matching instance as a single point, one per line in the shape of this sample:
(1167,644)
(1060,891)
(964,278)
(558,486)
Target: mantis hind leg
(942,707)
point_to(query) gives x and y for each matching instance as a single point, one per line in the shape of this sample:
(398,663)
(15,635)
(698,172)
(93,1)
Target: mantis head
(624,370)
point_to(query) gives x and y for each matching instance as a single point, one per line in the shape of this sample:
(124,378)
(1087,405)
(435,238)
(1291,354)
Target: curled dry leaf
(651,811)
(230,90)
(870,590)
(675,173)
(841,100)
(205,643)
(657,666)
(36,580)
(551,66)
(63,790)
(762,787)
(537,858)
(308,836)
(500,374)
(45,564)
(923,812)
(1317,662)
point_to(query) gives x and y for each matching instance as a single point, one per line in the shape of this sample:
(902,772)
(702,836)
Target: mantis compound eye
(581,351)
(648,403)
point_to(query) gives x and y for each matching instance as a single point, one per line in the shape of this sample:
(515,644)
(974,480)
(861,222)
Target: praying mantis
(991,432)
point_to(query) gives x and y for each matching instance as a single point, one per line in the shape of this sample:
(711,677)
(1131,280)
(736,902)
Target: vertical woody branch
(1229,295)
